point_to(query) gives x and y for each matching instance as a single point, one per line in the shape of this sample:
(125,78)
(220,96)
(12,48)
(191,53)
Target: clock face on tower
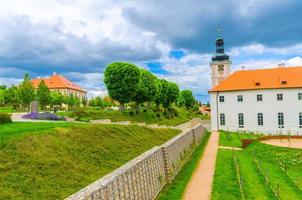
(220,68)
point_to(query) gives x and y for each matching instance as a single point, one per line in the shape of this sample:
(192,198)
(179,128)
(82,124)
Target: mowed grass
(19,129)
(148,117)
(176,189)
(234,139)
(225,185)
(271,159)
(61,161)
(6,110)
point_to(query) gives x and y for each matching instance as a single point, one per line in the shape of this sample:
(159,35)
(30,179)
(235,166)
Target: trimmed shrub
(80,115)
(5,118)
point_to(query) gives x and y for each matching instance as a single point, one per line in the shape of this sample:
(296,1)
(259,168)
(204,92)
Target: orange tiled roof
(57,82)
(279,77)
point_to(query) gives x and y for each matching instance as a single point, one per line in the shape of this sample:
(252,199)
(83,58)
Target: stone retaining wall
(144,177)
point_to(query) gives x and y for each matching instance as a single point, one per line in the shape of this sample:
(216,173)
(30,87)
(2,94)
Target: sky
(173,39)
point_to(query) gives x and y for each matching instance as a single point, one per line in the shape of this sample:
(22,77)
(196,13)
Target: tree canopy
(147,87)
(43,94)
(122,80)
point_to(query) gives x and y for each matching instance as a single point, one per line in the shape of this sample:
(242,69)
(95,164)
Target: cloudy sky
(172,38)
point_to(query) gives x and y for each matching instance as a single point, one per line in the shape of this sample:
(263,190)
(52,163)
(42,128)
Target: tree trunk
(122,107)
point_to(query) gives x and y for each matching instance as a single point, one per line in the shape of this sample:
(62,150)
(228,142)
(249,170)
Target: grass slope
(234,139)
(19,129)
(148,117)
(61,161)
(176,189)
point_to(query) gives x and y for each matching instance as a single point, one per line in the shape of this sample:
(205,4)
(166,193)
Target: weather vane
(219,30)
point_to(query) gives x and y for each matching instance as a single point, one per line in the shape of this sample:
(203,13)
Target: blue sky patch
(178,54)
(156,67)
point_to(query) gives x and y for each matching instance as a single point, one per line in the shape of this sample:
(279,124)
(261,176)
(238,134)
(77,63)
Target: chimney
(281,65)
(242,68)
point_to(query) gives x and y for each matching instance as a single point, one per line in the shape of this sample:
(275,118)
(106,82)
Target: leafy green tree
(188,98)
(171,94)
(161,96)
(147,87)
(84,101)
(43,94)
(11,96)
(56,98)
(180,101)
(26,91)
(2,96)
(96,102)
(3,87)
(122,81)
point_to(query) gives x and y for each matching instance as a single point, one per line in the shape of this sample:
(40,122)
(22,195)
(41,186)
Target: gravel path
(291,143)
(200,185)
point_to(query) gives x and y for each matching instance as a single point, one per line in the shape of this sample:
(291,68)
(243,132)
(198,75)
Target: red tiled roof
(57,82)
(273,78)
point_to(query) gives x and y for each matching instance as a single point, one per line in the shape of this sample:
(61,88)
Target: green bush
(5,118)
(80,115)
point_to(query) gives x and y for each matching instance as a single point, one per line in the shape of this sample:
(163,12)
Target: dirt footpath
(200,186)
(291,143)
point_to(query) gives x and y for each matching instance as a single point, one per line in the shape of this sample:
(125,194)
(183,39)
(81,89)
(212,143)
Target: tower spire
(220,55)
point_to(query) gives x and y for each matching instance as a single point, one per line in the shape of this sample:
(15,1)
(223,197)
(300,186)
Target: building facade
(61,84)
(263,100)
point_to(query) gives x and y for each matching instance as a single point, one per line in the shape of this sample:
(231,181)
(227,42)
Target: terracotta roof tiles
(273,78)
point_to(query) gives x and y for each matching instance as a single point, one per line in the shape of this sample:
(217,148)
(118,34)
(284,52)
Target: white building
(262,100)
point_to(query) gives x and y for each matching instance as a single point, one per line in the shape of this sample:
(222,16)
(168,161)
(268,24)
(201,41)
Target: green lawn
(271,159)
(234,139)
(61,161)
(176,189)
(6,110)
(19,129)
(148,117)
(225,185)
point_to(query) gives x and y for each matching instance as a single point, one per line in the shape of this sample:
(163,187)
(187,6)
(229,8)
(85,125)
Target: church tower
(220,65)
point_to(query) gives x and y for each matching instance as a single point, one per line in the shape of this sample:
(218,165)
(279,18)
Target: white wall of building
(291,106)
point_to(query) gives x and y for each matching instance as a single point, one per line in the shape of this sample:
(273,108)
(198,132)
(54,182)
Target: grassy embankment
(39,161)
(148,117)
(6,110)
(272,161)
(176,189)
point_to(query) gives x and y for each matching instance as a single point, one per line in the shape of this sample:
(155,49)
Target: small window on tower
(220,68)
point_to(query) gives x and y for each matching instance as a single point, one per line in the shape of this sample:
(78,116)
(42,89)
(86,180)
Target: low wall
(145,176)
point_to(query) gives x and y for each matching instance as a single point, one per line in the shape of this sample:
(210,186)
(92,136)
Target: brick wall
(145,176)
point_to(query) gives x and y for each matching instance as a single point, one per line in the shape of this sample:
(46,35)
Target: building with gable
(61,84)
(261,100)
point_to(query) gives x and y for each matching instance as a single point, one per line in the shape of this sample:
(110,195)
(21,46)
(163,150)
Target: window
(279,97)
(259,97)
(280,120)
(260,119)
(222,119)
(257,83)
(240,120)
(239,98)
(300,96)
(300,119)
(221,98)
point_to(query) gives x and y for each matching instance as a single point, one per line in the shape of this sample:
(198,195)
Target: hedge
(5,118)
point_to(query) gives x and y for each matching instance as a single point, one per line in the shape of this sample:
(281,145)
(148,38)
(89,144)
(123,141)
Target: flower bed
(43,116)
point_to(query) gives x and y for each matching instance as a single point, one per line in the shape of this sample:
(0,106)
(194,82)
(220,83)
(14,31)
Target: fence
(145,176)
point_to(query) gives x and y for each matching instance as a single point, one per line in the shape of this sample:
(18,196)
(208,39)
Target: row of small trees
(126,83)
(23,94)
